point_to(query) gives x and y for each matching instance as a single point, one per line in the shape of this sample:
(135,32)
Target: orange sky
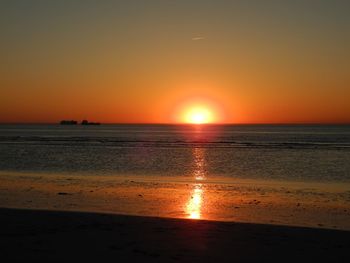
(145,62)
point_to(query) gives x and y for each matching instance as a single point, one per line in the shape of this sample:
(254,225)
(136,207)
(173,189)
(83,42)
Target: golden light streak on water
(195,202)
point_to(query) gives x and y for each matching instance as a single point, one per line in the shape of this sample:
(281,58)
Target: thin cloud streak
(197,38)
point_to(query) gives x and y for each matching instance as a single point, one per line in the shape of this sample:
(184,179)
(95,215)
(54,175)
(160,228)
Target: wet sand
(37,235)
(320,205)
(63,217)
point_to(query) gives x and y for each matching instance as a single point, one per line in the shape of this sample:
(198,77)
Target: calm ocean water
(283,152)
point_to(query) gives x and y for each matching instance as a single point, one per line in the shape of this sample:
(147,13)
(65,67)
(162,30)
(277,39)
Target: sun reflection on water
(199,161)
(195,202)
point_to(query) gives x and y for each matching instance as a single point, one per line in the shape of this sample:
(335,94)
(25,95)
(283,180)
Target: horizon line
(168,123)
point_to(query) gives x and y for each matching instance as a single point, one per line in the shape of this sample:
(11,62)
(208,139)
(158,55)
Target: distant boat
(86,122)
(68,122)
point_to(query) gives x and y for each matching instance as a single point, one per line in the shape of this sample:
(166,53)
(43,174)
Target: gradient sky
(137,61)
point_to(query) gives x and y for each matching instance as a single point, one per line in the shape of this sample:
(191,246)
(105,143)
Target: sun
(198,111)
(198,115)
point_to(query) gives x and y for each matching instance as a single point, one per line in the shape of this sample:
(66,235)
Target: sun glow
(198,115)
(196,110)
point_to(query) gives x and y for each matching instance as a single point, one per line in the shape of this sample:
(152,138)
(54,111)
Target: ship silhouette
(86,122)
(68,122)
(73,122)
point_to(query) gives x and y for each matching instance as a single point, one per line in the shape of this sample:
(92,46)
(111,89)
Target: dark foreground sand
(27,235)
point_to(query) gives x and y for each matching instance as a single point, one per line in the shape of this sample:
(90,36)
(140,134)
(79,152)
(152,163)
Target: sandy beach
(252,201)
(61,217)
(27,235)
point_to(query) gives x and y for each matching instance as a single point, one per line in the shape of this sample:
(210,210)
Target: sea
(312,153)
